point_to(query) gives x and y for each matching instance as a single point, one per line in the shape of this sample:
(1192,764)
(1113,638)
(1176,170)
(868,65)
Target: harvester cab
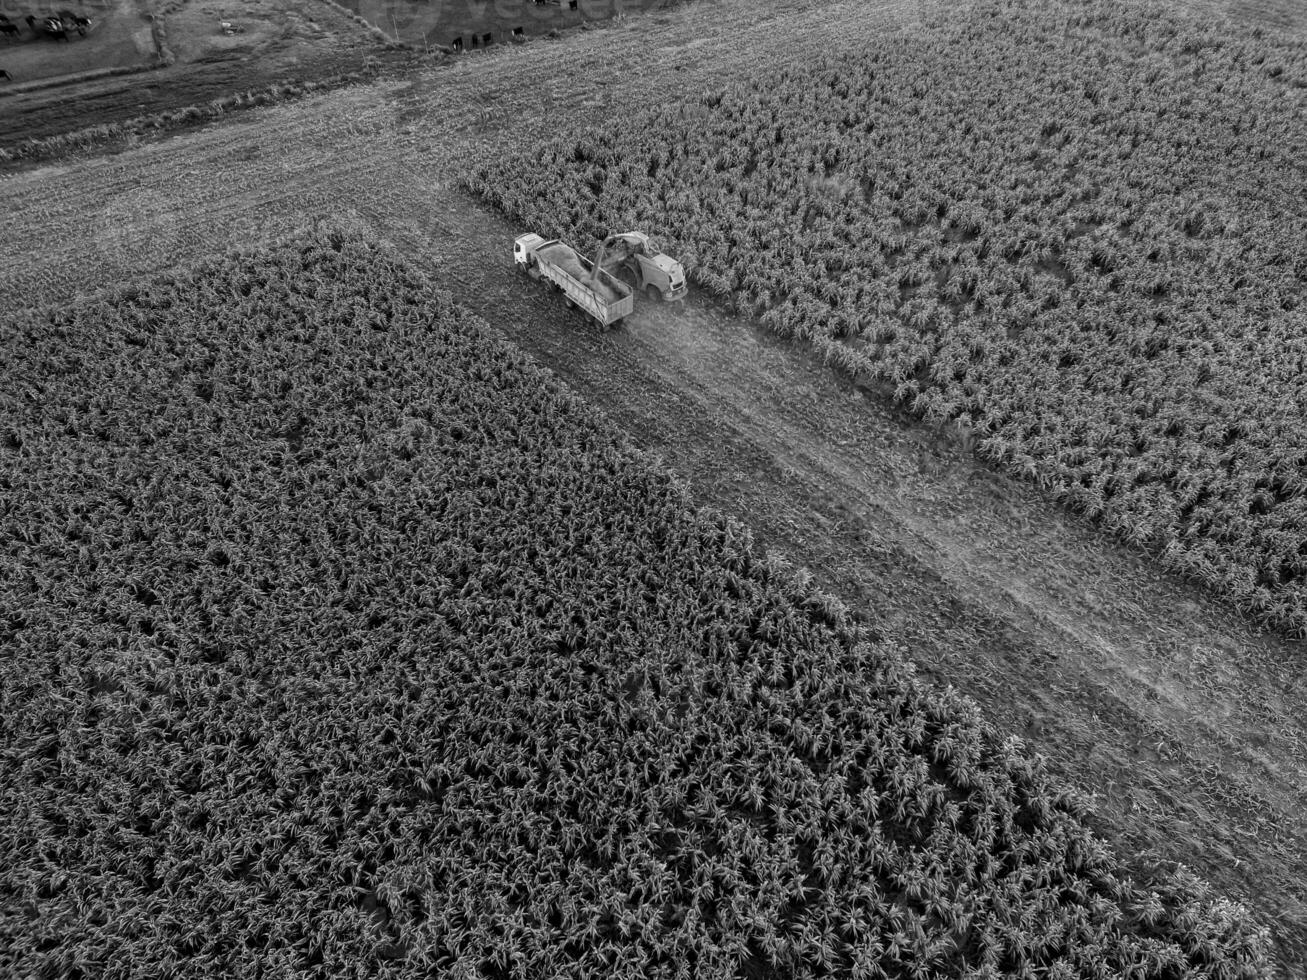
(631,256)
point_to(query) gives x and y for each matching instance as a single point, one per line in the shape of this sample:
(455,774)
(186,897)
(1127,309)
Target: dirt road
(1184,723)
(282,42)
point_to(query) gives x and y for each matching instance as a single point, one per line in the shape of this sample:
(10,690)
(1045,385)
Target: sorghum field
(351,641)
(1071,231)
(1162,721)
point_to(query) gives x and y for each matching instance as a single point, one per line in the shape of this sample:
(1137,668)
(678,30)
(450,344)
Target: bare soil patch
(279,42)
(438,24)
(119,38)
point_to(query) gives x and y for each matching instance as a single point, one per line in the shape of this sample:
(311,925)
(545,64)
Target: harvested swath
(1071,230)
(339,638)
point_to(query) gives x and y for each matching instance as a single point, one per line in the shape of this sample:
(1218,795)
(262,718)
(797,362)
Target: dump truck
(588,288)
(630,256)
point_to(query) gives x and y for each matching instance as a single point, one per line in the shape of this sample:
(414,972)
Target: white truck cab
(524,249)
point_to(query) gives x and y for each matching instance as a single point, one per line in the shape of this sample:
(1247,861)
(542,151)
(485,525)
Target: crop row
(1073,232)
(338,637)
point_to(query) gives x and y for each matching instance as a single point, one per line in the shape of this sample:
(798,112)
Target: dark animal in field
(475,42)
(76,20)
(458,44)
(9,30)
(6,76)
(54,27)
(31,22)
(488,39)
(519,32)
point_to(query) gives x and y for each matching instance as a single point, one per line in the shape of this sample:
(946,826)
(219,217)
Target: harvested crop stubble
(338,637)
(1074,231)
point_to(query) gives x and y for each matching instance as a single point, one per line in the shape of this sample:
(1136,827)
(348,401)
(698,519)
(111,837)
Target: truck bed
(566,259)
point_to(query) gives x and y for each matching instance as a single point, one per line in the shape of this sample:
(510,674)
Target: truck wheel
(655,296)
